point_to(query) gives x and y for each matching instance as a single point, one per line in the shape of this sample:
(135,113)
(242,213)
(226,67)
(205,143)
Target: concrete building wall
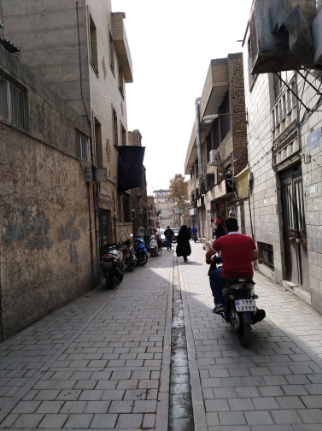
(46,256)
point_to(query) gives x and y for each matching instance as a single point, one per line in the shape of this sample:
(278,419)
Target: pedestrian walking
(183,247)
(168,233)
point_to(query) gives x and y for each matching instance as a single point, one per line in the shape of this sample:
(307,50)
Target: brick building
(223,136)
(47,243)
(80,50)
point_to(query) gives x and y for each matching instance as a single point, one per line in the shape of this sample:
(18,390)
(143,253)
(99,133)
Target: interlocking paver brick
(79,421)
(101,421)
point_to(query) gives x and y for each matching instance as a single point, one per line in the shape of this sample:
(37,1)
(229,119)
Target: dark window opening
(115,131)
(82,146)
(216,133)
(12,106)
(121,84)
(93,36)
(126,210)
(225,119)
(112,58)
(123,135)
(266,254)
(98,144)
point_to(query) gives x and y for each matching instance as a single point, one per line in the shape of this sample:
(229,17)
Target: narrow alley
(103,361)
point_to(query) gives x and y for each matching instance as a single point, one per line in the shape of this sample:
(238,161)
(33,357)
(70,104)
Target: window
(93,37)
(266,254)
(225,119)
(115,131)
(98,144)
(112,57)
(121,84)
(123,134)
(278,83)
(12,107)
(126,210)
(216,133)
(82,146)
(251,78)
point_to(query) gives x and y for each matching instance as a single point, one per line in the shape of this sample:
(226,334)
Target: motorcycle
(240,306)
(112,266)
(194,237)
(140,250)
(153,246)
(129,258)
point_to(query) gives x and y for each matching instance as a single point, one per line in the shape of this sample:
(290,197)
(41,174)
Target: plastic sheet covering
(300,39)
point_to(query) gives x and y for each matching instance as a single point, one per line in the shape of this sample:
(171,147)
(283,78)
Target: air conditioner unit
(280,36)
(220,175)
(213,158)
(209,181)
(202,188)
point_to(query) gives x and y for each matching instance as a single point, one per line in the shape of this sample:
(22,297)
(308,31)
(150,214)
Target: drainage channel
(180,404)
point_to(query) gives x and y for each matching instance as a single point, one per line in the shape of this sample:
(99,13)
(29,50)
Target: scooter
(129,258)
(112,266)
(240,306)
(153,246)
(139,246)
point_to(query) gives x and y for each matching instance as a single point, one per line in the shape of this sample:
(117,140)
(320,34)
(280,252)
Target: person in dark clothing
(219,231)
(183,247)
(168,233)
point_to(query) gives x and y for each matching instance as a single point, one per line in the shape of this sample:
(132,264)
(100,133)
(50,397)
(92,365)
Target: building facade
(80,50)
(164,207)
(223,138)
(283,210)
(47,242)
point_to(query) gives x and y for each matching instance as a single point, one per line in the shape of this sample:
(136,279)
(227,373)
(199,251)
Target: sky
(172,43)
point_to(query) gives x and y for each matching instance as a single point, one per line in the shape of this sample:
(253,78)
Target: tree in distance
(179,191)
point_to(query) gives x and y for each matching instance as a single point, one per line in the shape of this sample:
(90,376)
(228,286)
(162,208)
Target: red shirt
(236,250)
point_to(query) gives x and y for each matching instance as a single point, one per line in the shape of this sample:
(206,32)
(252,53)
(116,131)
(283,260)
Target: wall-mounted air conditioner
(209,181)
(280,36)
(213,158)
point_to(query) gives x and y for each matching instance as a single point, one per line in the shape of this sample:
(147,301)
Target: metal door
(294,231)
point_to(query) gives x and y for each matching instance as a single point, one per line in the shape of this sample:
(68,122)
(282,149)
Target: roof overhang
(121,46)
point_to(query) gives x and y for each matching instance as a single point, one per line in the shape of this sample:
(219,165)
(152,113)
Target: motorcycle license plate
(245,304)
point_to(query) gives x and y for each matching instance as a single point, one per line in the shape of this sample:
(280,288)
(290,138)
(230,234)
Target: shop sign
(314,139)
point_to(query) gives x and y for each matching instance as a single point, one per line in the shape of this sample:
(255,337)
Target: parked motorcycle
(240,305)
(139,246)
(112,266)
(129,258)
(153,245)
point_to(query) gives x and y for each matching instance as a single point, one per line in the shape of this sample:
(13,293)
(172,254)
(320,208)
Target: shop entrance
(294,230)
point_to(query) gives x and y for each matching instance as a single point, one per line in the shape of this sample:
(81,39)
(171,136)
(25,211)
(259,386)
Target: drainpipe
(198,138)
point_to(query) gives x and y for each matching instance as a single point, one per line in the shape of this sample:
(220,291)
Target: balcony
(121,46)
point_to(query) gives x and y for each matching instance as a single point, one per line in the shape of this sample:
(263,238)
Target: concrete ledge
(298,291)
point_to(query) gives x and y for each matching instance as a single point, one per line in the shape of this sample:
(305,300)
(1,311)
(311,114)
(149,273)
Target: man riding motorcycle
(238,252)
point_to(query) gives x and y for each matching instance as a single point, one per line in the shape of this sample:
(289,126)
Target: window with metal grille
(93,37)
(98,144)
(82,146)
(209,145)
(216,133)
(126,210)
(225,119)
(121,84)
(112,55)
(115,131)
(266,254)
(12,106)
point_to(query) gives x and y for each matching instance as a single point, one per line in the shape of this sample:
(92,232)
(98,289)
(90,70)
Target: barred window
(115,131)
(112,58)
(93,35)
(12,107)
(82,146)
(98,144)
(216,133)
(126,210)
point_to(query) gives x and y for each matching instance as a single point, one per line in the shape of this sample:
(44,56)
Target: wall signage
(314,139)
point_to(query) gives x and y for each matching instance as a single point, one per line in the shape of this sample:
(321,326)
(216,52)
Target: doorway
(103,220)
(294,230)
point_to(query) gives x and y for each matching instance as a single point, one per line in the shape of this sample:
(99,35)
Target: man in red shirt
(237,251)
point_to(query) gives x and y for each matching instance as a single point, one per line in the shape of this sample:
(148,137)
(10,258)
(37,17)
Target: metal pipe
(198,138)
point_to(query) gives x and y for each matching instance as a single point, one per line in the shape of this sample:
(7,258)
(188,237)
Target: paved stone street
(103,361)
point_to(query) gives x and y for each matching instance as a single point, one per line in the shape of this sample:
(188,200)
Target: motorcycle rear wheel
(109,283)
(130,266)
(244,334)
(143,258)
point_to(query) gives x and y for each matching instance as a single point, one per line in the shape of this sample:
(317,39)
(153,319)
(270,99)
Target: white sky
(172,43)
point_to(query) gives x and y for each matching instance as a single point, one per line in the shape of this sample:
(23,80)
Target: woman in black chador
(183,247)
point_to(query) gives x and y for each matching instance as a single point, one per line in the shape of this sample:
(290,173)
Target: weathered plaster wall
(45,220)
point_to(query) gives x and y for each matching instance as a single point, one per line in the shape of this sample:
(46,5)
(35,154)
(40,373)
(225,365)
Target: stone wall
(46,257)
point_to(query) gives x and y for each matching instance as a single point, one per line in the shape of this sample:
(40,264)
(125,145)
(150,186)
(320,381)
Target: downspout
(197,102)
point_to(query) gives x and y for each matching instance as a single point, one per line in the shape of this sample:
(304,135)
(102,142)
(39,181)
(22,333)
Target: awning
(242,183)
